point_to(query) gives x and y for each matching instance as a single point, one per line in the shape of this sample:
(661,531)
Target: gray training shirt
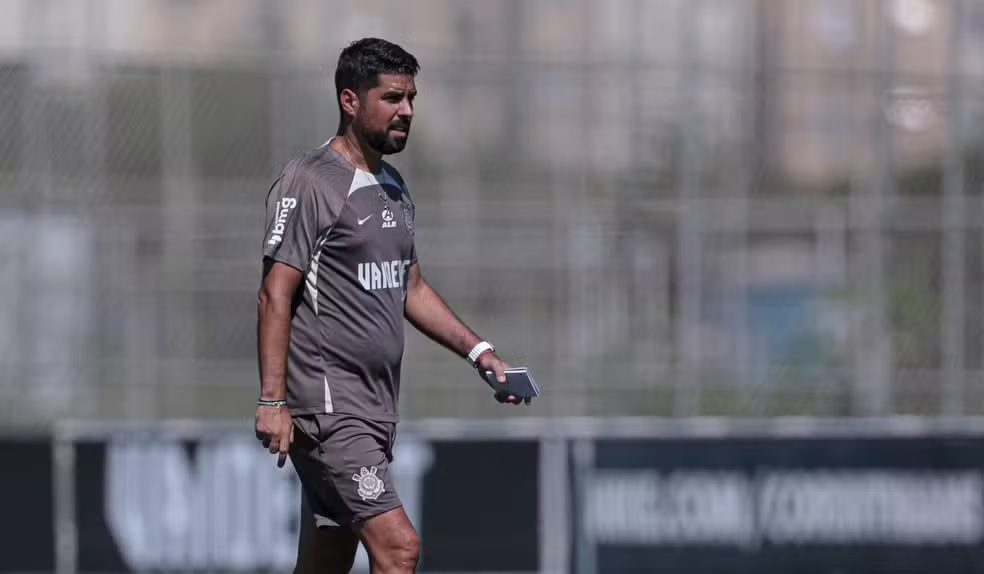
(350,232)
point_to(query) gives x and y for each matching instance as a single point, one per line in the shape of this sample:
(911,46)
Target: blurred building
(863,76)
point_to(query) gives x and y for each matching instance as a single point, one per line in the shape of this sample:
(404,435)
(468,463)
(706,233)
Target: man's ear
(349,102)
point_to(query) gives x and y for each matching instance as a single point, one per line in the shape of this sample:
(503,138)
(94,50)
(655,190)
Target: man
(340,275)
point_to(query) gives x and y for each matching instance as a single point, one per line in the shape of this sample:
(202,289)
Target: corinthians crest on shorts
(408,215)
(370,485)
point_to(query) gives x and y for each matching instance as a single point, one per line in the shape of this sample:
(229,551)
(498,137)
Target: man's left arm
(429,314)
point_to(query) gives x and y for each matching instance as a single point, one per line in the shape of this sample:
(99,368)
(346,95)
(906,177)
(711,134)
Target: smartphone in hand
(519,383)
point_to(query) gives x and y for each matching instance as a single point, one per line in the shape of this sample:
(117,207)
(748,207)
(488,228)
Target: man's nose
(406,109)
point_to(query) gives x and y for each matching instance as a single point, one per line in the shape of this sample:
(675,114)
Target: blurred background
(743,207)
(666,208)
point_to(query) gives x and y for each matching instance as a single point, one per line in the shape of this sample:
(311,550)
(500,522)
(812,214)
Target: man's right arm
(280,283)
(274,426)
(292,225)
(294,220)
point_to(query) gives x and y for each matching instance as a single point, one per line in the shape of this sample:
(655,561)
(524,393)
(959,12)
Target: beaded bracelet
(266,403)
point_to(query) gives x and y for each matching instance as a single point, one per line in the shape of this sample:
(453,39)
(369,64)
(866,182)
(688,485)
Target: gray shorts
(343,463)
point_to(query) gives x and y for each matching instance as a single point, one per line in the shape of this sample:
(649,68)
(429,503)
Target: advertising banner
(758,505)
(149,502)
(27,542)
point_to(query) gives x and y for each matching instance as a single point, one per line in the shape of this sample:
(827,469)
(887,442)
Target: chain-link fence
(664,207)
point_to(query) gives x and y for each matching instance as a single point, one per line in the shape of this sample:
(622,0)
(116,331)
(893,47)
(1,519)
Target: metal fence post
(954,252)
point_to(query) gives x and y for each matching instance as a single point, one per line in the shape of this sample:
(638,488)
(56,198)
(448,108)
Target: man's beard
(383,144)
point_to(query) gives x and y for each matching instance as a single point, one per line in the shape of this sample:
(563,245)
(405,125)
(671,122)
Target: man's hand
(489,361)
(275,429)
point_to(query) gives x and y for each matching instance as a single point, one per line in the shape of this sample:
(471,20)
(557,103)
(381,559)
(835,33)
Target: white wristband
(478,350)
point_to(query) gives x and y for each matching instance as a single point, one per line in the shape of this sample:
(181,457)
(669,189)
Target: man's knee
(401,552)
(409,549)
(392,542)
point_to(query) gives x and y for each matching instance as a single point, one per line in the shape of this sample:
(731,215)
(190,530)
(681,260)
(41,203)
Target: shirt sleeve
(292,218)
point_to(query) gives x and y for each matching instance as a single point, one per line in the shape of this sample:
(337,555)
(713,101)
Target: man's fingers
(291,434)
(500,373)
(284,447)
(274,445)
(504,397)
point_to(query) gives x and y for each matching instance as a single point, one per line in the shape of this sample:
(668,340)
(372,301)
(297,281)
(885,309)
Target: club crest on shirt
(370,485)
(408,216)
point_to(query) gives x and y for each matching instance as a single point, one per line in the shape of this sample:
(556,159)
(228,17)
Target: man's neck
(356,152)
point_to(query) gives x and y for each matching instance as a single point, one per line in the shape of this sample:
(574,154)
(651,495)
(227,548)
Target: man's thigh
(343,465)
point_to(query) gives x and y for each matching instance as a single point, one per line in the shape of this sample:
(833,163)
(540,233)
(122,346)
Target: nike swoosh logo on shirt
(364,219)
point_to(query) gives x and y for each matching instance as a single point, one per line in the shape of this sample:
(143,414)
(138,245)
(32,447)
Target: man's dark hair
(362,61)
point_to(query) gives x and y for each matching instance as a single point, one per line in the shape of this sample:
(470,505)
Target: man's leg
(326,550)
(391,541)
(343,461)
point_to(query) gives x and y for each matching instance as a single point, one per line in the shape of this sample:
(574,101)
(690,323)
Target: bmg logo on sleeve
(283,211)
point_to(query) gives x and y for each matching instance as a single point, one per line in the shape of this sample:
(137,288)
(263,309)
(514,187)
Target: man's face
(385,113)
